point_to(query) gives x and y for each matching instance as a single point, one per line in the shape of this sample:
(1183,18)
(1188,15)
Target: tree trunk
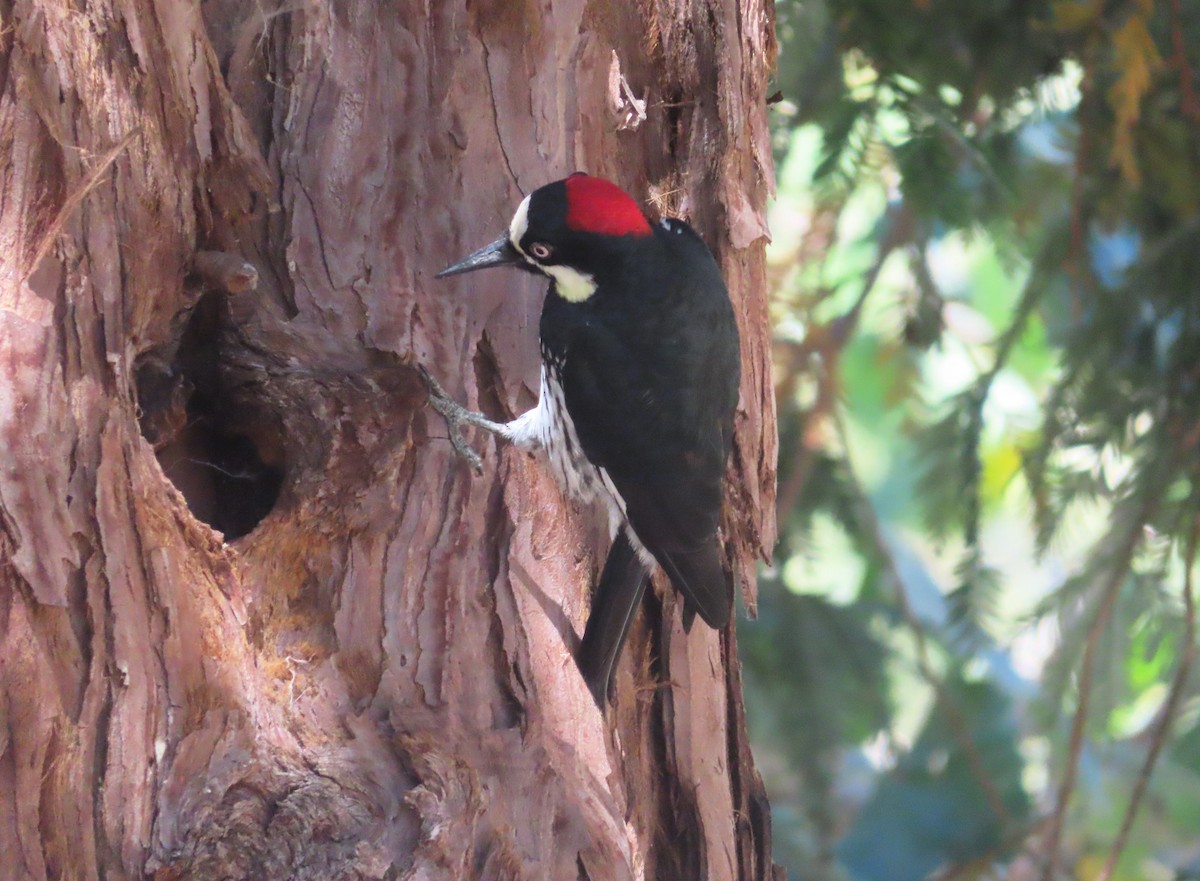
(258,621)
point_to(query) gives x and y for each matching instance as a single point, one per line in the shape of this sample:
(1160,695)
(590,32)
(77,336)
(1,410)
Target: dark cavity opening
(224,454)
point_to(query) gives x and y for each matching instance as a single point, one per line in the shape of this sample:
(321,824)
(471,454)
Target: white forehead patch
(571,284)
(520,223)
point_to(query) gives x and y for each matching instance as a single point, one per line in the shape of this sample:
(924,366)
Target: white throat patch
(572,285)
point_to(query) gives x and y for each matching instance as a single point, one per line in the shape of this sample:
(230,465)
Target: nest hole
(223,453)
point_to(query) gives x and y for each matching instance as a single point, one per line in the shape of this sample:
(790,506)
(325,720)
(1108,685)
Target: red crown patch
(599,206)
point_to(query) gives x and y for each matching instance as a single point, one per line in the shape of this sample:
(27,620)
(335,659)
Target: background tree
(976,658)
(256,620)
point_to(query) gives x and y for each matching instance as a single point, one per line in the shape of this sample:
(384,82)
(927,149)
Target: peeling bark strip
(218,226)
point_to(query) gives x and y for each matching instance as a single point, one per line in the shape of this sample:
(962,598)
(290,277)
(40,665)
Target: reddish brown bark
(219,226)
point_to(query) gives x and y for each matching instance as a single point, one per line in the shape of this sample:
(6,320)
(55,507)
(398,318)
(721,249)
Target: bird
(640,370)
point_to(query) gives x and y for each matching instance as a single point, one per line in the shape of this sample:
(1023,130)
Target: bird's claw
(455,415)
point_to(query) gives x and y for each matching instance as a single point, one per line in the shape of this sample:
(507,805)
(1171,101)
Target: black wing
(651,392)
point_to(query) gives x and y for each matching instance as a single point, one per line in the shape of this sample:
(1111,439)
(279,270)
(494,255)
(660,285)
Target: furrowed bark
(256,619)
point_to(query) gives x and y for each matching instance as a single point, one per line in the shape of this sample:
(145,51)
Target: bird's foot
(456,416)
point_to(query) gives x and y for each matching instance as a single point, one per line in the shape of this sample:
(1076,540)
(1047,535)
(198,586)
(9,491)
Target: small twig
(1169,710)
(829,342)
(1119,570)
(236,475)
(291,661)
(74,200)
(899,226)
(1076,262)
(951,128)
(972,869)
(1030,297)
(1188,101)
(816,342)
(945,700)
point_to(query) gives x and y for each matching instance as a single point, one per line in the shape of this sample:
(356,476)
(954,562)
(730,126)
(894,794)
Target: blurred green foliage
(973,656)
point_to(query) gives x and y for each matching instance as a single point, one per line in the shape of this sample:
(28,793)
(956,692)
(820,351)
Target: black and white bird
(639,382)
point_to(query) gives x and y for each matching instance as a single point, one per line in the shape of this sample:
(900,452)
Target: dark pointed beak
(498,253)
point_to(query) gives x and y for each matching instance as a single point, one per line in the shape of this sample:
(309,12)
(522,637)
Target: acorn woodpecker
(639,381)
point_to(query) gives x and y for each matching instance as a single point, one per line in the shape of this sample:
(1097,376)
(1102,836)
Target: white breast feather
(549,425)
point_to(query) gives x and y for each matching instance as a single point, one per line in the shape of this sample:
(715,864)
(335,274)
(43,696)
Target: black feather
(650,372)
(617,597)
(701,578)
(640,384)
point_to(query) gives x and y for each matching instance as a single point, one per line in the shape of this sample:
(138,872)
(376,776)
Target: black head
(562,230)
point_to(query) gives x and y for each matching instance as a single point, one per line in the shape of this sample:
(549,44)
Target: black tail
(617,597)
(702,580)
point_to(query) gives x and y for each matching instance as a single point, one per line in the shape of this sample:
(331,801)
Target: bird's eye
(540,251)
